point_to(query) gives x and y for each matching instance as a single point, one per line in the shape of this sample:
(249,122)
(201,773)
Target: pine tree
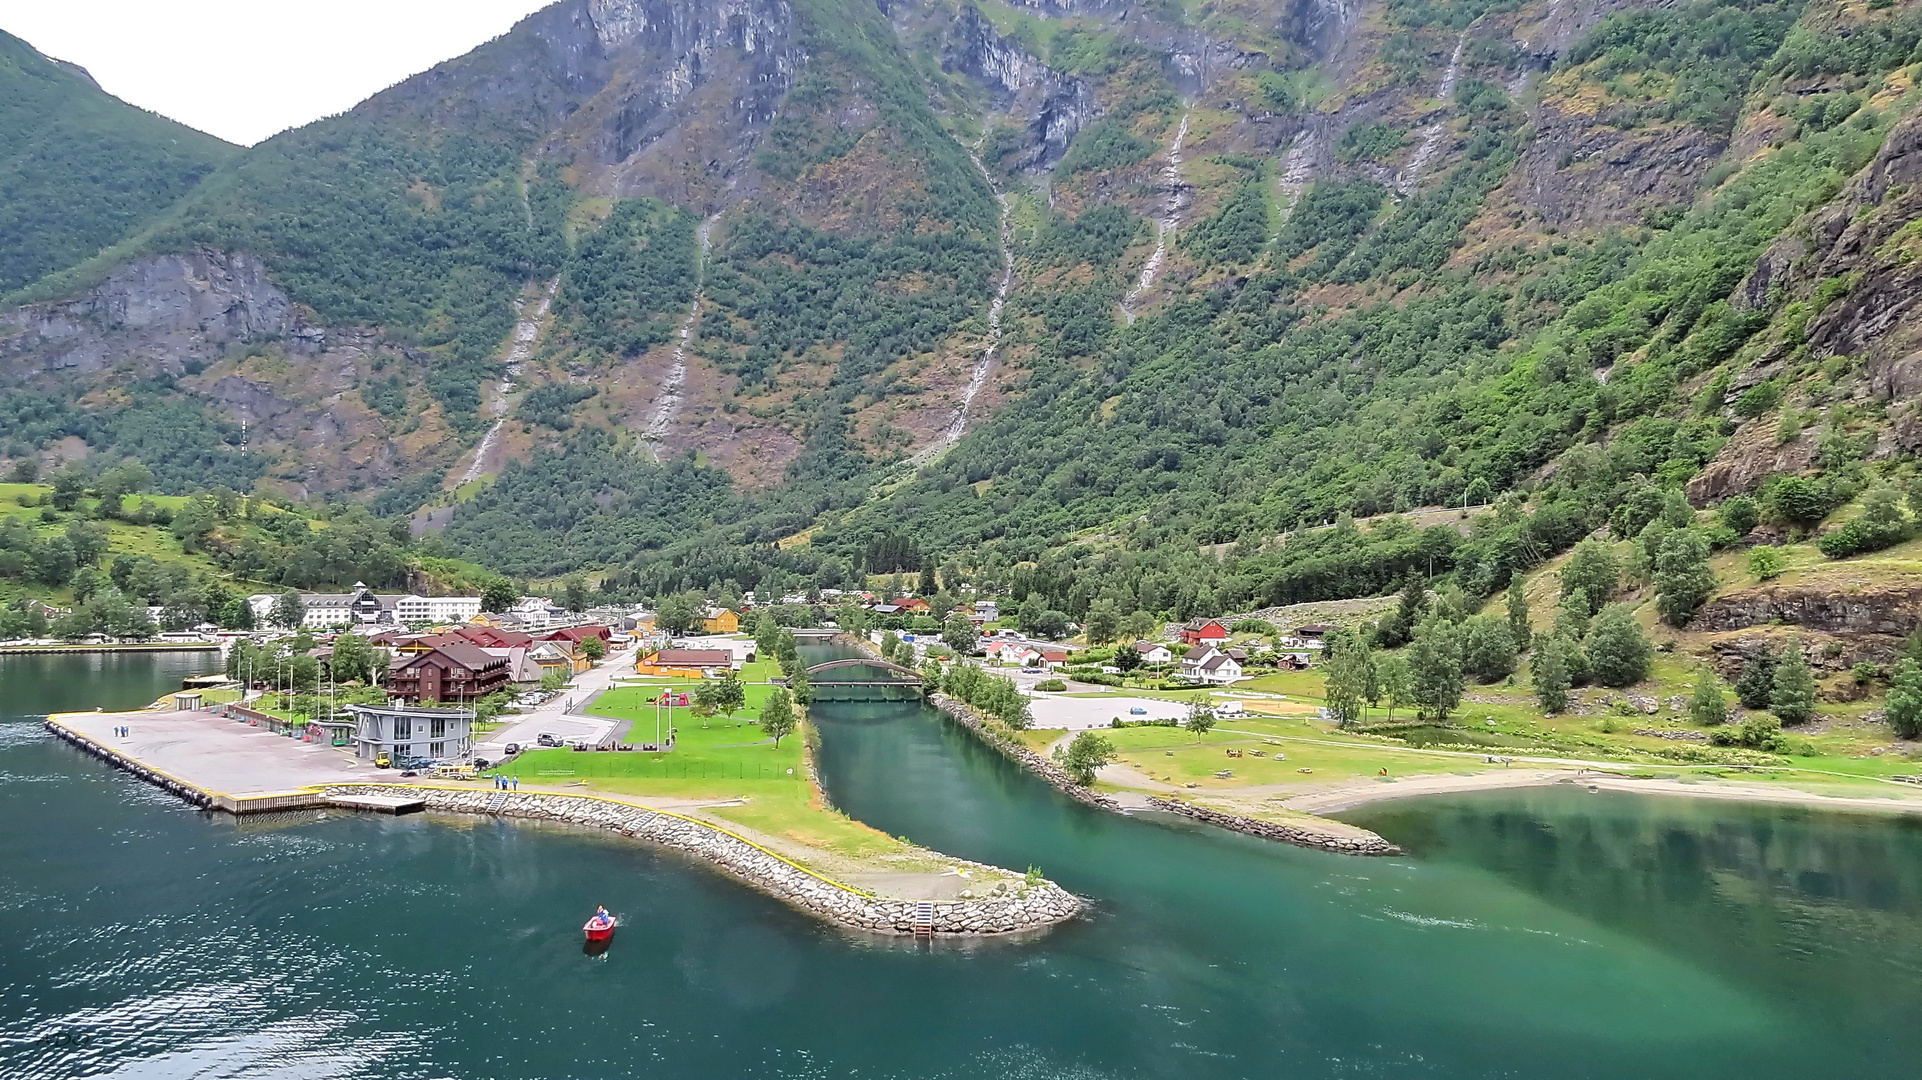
(1706,708)
(1518,615)
(1683,579)
(1904,707)
(1753,685)
(1792,691)
(1550,668)
(1619,653)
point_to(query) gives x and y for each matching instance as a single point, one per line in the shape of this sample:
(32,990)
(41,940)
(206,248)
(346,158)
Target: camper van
(1230,708)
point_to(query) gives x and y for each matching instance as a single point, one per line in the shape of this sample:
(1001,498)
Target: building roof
(1217,662)
(465,654)
(693,658)
(1148,646)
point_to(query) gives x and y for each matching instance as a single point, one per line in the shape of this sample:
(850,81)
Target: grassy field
(721,759)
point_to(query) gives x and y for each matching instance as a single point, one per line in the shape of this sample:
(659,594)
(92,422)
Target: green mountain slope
(80,168)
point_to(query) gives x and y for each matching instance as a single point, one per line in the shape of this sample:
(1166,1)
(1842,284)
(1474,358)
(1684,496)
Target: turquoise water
(1544,933)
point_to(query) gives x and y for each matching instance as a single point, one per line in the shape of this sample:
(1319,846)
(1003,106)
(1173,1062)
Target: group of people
(507,783)
(122,732)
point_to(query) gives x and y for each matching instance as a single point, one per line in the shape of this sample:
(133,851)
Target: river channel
(1543,933)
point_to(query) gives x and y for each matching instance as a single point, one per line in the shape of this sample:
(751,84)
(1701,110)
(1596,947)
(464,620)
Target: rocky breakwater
(1011,748)
(1029,907)
(1369,844)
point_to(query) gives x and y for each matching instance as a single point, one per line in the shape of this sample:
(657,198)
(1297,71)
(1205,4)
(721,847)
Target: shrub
(1619,653)
(1053,685)
(1739,513)
(1765,561)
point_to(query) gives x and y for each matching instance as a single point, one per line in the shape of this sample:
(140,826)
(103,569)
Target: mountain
(81,169)
(1089,300)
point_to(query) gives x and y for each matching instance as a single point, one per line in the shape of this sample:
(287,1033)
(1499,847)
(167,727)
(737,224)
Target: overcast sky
(245,69)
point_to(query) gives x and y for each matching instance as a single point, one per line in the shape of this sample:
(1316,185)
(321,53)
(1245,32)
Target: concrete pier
(211,761)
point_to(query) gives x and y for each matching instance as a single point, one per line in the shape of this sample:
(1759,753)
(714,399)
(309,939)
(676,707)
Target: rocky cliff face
(1049,108)
(159,315)
(691,90)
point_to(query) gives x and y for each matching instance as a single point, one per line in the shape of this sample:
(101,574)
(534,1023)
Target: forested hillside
(1144,307)
(81,169)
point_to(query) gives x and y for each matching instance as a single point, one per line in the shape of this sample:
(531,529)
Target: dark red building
(453,672)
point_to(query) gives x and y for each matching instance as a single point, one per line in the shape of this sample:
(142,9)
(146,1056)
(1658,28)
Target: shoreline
(1028,908)
(139,647)
(1367,790)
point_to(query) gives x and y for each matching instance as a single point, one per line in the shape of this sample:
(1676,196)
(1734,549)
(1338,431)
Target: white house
(1206,664)
(408,731)
(1153,652)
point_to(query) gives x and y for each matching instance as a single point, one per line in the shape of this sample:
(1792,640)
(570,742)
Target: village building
(411,732)
(1204,630)
(456,671)
(720,620)
(363,606)
(1206,664)
(686,663)
(1153,652)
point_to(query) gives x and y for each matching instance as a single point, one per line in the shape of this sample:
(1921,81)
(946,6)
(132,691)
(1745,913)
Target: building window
(437,750)
(403,728)
(437,729)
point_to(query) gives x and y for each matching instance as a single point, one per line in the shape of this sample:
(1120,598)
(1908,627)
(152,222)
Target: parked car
(1137,711)
(546,739)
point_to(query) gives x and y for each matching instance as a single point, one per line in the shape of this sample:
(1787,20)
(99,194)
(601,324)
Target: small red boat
(600,927)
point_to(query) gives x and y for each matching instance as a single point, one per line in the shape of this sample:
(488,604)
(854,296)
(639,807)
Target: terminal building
(407,731)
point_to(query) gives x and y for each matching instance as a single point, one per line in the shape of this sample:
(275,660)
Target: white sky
(246,69)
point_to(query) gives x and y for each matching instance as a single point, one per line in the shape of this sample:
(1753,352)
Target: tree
(1571,617)
(802,689)
(1595,571)
(1396,682)
(90,540)
(1792,690)
(553,679)
(1757,680)
(1619,653)
(497,595)
(1488,649)
(1683,579)
(1201,718)
(1126,657)
(1904,707)
(574,593)
(676,615)
(958,634)
(767,635)
(777,716)
(1550,669)
(1346,671)
(1706,707)
(1089,751)
(931,676)
(288,612)
(1739,515)
(1518,627)
(1765,561)
(1103,621)
(927,585)
(353,658)
(1435,670)
(1397,627)
(594,648)
(1141,625)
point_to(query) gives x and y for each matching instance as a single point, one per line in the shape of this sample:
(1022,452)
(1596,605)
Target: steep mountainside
(1112,301)
(81,168)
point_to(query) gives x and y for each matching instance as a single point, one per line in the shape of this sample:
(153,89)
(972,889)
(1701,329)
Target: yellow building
(720,621)
(686,663)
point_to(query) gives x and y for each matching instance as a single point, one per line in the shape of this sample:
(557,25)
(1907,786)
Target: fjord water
(1535,934)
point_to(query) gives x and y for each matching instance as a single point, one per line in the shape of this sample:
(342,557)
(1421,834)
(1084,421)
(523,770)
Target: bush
(1739,513)
(1882,525)
(1051,685)
(1619,653)
(1765,562)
